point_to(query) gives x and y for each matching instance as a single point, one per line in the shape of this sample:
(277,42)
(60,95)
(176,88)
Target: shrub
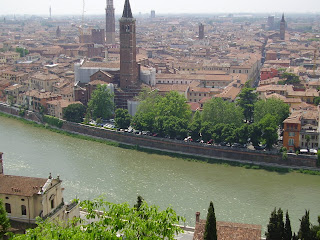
(53,121)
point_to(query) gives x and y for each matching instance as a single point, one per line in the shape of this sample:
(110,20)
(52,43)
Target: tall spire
(127,10)
(282,19)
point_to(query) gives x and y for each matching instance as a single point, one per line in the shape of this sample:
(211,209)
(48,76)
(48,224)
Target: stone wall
(192,148)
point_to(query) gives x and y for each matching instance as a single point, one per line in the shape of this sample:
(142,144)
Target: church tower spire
(127,10)
(110,23)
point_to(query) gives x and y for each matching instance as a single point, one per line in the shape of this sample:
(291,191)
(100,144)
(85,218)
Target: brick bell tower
(110,23)
(282,28)
(128,64)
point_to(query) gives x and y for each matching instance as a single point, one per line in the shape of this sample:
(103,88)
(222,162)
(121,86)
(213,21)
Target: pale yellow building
(26,198)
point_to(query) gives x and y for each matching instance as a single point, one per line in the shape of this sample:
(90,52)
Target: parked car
(239,145)
(262,147)
(210,141)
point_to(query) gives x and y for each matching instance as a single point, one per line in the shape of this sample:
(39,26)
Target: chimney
(1,163)
(197,217)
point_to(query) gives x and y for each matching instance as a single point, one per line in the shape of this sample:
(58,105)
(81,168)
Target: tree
(273,106)
(74,112)
(23,52)
(206,131)
(156,110)
(242,134)
(139,202)
(290,78)
(287,228)
(101,103)
(316,100)
(4,220)
(246,101)
(122,118)
(217,111)
(275,228)
(114,221)
(269,130)
(304,231)
(195,126)
(211,225)
(255,134)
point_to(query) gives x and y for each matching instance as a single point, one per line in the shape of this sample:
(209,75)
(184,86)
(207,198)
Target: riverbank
(197,157)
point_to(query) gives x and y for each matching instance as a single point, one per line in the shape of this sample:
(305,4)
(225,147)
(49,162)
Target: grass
(161,152)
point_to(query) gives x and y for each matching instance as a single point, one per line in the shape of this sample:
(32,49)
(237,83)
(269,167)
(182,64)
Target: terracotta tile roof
(45,77)
(230,231)
(172,87)
(21,186)
(101,65)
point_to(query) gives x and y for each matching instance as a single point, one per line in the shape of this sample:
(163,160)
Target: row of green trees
(223,121)
(277,229)
(170,115)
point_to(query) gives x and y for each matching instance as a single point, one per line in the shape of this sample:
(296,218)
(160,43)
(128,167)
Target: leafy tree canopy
(101,103)
(115,222)
(273,106)
(4,220)
(246,101)
(289,78)
(23,52)
(219,111)
(74,112)
(122,118)
(155,111)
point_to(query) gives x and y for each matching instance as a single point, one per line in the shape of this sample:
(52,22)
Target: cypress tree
(287,228)
(139,202)
(280,224)
(304,231)
(271,233)
(211,225)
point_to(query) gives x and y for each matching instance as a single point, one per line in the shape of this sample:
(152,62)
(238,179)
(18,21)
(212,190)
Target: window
(291,142)
(291,134)
(23,210)
(52,203)
(8,207)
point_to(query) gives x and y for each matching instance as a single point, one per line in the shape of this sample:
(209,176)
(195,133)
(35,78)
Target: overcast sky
(8,7)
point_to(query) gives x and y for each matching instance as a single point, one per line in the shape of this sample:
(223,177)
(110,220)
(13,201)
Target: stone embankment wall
(251,156)
(218,152)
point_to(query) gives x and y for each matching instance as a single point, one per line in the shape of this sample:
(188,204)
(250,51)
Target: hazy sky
(160,6)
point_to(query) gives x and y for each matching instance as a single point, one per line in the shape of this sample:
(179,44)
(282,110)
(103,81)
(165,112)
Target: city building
(110,23)
(201,31)
(26,198)
(282,28)
(128,64)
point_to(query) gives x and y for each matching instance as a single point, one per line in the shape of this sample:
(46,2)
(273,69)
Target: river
(89,169)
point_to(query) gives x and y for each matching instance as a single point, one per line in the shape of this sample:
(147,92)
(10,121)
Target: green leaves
(219,111)
(112,222)
(74,112)
(273,106)
(101,103)
(166,115)
(4,220)
(122,118)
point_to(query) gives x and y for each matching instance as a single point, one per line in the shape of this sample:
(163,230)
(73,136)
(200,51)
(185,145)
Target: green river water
(89,169)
